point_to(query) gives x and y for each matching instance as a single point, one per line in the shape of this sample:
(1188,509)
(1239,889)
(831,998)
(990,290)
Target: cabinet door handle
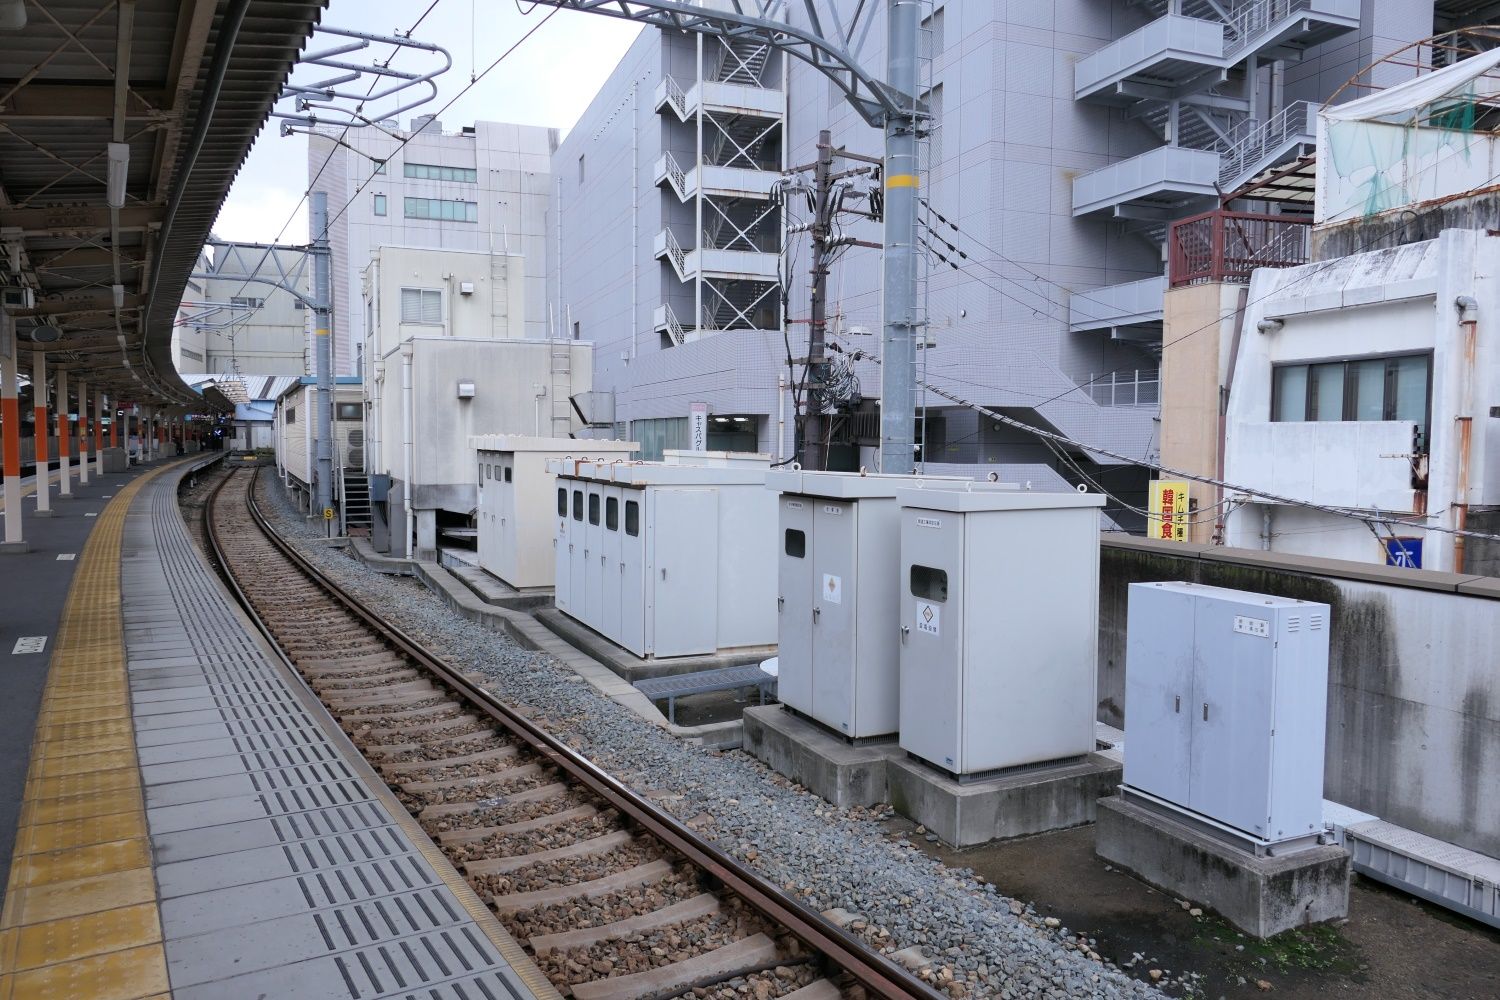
(905,631)
(816,612)
(1205,711)
(1177,703)
(780,604)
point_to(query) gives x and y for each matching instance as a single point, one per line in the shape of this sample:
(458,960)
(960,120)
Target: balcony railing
(1227,246)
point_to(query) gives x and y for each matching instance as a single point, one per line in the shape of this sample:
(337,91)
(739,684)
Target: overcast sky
(548,81)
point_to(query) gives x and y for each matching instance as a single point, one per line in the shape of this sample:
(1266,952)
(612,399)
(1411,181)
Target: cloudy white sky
(548,81)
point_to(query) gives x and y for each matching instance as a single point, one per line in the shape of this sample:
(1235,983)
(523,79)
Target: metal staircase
(358,518)
(742,60)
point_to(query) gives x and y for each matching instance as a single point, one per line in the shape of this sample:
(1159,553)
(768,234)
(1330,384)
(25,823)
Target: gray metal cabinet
(1226,703)
(685,564)
(999,627)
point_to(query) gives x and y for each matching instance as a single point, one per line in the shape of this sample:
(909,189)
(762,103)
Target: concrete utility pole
(814,452)
(898,423)
(323,341)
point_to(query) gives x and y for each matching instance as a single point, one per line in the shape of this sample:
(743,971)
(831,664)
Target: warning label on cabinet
(929,618)
(833,589)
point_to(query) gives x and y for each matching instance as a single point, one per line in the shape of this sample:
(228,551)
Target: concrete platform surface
(1260,896)
(275,861)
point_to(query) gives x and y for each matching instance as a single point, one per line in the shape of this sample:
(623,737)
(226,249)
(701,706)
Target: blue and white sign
(1403,552)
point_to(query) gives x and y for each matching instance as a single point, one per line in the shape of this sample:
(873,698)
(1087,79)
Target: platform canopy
(122,126)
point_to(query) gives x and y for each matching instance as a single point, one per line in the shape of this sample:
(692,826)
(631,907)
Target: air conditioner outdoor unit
(17,297)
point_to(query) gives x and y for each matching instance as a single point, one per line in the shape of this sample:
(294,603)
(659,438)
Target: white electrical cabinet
(514,512)
(839,551)
(1226,697)
(998,627)
(666,560)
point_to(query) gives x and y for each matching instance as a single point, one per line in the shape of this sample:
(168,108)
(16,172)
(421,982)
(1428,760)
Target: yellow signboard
(1169,510)
(328,513)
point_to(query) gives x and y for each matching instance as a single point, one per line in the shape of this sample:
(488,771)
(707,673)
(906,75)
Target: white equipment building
(515,501)
(1227,698)
(295,425)
(998,627)
(839,587)
(667,560)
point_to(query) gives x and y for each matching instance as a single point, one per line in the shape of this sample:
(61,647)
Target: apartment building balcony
(1153,186)
(714,263)
(714,181)
(718,97)
(1131,310)
(1181,53)
(1227,246)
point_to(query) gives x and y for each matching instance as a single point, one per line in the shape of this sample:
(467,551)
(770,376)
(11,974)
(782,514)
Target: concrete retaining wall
(1413,685)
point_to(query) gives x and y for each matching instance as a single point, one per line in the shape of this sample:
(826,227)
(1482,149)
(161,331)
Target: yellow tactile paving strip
(80,920)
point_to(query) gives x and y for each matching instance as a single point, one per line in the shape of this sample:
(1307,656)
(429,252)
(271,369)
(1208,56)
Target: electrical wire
(1373,517)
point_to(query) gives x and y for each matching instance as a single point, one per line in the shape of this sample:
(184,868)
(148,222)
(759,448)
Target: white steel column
(99,412)
(64,435)
(43,427)
(83,433)
(10,434)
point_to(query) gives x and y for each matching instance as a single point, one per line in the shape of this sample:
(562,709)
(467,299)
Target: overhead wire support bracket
(328,95)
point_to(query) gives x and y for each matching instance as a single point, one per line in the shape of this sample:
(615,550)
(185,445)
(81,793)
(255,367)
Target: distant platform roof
(122,126)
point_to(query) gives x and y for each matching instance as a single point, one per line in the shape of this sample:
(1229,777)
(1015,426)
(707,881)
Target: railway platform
(184,819)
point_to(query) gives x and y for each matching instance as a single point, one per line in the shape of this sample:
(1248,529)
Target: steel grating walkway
(283,868)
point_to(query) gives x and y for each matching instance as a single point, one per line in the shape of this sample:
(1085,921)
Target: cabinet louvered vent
(1293,623)
(1315,622)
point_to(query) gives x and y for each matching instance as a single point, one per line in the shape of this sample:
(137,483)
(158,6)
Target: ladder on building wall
(499,295)
(562,387)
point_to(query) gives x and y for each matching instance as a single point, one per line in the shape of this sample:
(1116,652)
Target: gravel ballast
(978,942)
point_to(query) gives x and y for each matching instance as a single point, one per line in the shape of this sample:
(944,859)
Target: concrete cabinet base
(1261,896)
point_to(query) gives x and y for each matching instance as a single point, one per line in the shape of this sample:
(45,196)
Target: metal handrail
(676,175)
(1251,19)
(1250,139)
(675,251)
(675,96)
(674,328)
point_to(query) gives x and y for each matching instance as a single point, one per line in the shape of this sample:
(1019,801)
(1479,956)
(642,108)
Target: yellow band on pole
(322,333)
(902,181)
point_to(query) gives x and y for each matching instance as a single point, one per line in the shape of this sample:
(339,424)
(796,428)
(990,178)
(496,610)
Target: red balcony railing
(1227,246)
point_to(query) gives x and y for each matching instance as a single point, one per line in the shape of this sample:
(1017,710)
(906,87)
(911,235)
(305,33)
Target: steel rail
(878,975)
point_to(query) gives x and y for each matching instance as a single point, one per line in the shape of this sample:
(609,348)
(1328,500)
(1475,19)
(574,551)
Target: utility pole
(814,451)
(323,342)
(898,424)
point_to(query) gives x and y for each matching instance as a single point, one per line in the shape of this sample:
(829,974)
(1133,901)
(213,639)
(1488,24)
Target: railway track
(612,896)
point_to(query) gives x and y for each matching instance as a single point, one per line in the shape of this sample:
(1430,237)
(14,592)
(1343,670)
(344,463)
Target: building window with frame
(422,305)
(379,200)
(1391,387)
(291,414)
(346,411)
(433,172)
(440,210)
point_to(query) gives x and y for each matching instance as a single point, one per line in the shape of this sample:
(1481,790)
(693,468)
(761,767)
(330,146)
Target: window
(245,302)
(440,210)
(1384,388)
(632,517)
(346,411)
(593,508)
(433,172)
(796,543)
(422,305)
(489,471)
(507,473)
(291,414)
(562,502)
(380,167)
(578,505)
(929,584)
(379,200)
(612,514)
